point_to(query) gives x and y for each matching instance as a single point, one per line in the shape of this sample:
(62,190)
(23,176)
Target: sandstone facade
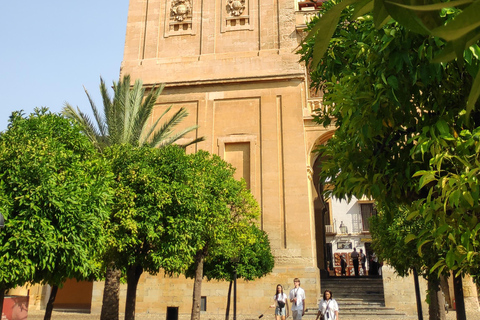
(232,64)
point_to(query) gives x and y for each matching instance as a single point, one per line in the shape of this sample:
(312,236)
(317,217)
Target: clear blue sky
(49,50)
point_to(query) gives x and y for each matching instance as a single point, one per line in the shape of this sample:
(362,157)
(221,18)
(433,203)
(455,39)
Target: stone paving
(38,315)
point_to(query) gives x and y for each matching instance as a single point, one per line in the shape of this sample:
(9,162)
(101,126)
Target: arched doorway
(324,222)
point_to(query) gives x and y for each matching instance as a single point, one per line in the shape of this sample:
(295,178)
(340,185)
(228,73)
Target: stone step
(358,295)
(360,298)
(351,278)
(358,302)
(364,312)
(341,290)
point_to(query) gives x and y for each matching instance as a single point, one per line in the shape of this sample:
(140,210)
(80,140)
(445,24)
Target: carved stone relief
(180,10)
(235,7)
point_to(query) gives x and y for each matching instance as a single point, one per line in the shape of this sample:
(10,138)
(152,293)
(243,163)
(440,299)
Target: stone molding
(295,76)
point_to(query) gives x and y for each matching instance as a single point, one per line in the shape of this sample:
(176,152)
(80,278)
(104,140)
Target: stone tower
(232,65)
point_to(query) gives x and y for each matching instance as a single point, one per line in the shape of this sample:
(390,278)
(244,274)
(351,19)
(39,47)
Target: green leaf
(451,48)
(466,21)
(406,18)
(419,248)
(436,265)
(450,259)
(409,238)
(380,13)
(451,237)
(362,7)
(426,179)
(443,127)
(474,93)
(432,6)
(468,197)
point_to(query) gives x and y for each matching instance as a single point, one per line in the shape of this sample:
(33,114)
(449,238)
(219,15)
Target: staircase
(360,298)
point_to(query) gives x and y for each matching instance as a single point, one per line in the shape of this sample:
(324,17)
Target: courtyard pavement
(38,315)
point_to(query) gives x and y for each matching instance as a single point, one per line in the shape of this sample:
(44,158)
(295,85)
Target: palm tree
(124,120)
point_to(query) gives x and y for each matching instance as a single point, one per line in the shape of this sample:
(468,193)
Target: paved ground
(38,315)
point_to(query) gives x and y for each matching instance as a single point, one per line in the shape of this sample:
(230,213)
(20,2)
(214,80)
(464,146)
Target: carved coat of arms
(235,7)
(180,9)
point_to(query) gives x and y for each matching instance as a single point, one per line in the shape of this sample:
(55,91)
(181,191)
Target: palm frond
(177,136)
(166,129)
(108,111)
(101,125)
(145,112)
(146,136)
(136,95)
(86,125)
(126,115)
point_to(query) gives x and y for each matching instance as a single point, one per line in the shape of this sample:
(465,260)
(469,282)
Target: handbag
(281,304)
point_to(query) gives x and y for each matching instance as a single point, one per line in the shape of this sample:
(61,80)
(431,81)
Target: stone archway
(321,208)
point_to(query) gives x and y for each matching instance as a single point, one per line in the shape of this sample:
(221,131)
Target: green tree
(424,18)
(393,243)
(211,212)
(55,194)
(173,210)
(251,258)
(386,101)
(125,120)
(138,218)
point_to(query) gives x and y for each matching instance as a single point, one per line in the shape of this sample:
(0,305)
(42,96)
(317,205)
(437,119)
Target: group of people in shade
(359,260)
(327,307)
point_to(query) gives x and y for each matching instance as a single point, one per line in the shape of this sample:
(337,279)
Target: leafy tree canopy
(403,136)
(251,258)
(381,91)
(55,193)
(461,31)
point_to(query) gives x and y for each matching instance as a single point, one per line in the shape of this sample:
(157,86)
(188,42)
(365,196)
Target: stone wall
(156,293)
(400,292)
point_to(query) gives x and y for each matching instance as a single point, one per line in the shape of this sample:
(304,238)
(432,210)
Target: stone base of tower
(156,294)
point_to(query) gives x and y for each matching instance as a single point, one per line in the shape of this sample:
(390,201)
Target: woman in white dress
(280,304)
(328,307)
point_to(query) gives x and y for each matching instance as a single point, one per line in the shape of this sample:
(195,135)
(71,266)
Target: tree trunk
(197,285)
(111,294)
(2,297)
(417,295)
(436,308)
(459,302)
(227,312)
(133,275)
(446,290)
(51,300)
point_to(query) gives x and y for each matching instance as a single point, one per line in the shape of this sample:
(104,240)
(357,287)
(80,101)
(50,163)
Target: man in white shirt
(297,298)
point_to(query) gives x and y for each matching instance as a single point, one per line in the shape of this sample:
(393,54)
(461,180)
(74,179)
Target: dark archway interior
(322,218)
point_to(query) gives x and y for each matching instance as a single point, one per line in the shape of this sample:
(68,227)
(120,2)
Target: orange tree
(173,211)
(401,127)
(54,192)
(213,218)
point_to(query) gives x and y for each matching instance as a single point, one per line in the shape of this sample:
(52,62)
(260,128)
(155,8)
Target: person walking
(354,256)
(297,298)
(280,304)
(343,265)
(363,260)
(327,307)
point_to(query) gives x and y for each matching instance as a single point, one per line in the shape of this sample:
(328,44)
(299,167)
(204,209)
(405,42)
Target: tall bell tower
(232,65)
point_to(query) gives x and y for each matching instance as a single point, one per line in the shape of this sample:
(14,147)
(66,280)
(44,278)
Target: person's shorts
(280,311)
(297,314)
